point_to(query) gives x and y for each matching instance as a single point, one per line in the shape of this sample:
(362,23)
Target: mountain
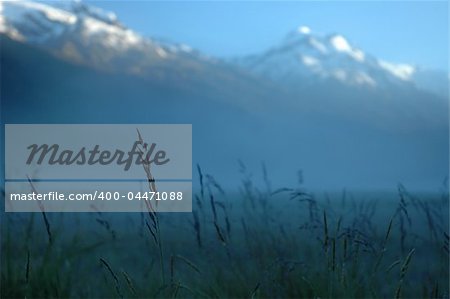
(304,58)
(88,36)
(96,38)
(313,103)
(85,34)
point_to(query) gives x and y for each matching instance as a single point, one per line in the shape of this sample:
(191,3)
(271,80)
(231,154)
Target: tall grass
(259,243)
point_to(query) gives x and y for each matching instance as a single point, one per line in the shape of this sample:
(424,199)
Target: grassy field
(255,243)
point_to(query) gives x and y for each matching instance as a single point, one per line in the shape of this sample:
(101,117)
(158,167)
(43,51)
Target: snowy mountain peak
(41,23)
(80,8)
(88,35)
(303,37)
(94,37)
(306,56)
(340,44)
(304,30)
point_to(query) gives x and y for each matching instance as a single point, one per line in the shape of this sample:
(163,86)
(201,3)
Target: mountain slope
(303,58)
(85,35)
(79,32)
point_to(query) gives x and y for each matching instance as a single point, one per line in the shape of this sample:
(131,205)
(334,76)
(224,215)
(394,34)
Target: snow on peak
(401,71)
(36,22)
(106,16)
(304,30)
(80,33)
(322,44)
(113,36)
(316,57)
(341,44)
(16,10)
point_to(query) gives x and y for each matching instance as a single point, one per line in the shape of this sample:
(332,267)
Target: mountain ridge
(303,55)
(97,38)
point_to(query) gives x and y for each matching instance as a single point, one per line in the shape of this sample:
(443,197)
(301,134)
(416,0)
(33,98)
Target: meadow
(254,242)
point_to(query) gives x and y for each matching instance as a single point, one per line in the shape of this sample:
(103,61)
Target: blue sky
(403,31)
